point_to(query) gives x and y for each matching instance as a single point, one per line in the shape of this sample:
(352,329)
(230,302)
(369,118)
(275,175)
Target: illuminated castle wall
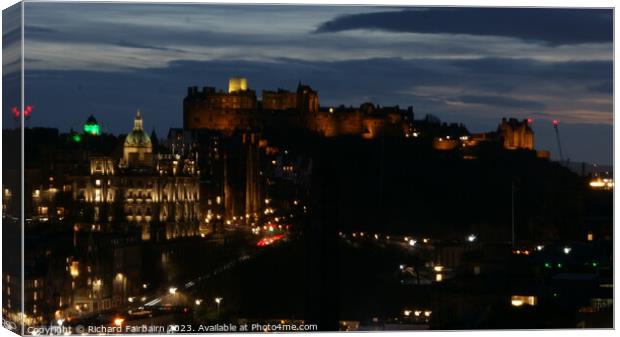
(240,110)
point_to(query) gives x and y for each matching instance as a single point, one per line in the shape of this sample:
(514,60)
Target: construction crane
(557,137)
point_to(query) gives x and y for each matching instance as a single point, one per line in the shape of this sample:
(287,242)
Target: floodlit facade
(157,194)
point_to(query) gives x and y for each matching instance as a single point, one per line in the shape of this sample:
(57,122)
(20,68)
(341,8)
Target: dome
(137,137)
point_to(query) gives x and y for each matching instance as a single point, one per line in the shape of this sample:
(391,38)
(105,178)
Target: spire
(137,123)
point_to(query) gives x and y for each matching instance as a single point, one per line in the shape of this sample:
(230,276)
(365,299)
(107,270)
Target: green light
(92,129)
(76,138)
(559,265)
(271,229)
(547,265)
(594,264)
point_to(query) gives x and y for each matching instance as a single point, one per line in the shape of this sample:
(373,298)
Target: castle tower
(236,84)
(516,134)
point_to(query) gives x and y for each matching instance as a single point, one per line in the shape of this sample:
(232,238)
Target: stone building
(516,134)
(240,110)
(157,194)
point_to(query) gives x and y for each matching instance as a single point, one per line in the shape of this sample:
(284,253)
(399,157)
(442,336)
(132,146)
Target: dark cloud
(551,26)
(144,46)
(31,29)
(526,67)
(606,87)
(500,101)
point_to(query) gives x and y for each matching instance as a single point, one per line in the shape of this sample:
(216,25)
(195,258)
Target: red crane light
(27,110)
(530,120)
(556,122)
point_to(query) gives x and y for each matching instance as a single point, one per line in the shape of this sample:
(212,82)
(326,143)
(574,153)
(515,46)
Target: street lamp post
(218,300)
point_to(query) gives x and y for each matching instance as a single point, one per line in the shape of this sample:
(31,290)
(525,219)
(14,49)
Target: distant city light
(412,242)
(567,250)
(471,238)
(602,184)
(520,300)
(172,290)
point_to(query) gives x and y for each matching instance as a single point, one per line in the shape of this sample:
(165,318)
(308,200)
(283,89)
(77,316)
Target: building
(92,127)
(240,110)
(156,194)
(516,134)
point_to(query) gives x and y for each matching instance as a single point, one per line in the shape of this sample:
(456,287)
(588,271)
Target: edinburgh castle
(239,109)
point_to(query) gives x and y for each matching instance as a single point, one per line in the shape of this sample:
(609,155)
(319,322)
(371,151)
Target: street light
(172,290)
(218,300)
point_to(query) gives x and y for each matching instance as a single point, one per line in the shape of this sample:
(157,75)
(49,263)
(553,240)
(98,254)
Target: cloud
(143,36)
(128,56)
(606,87)
(551,26)
(500,101)
(145,46)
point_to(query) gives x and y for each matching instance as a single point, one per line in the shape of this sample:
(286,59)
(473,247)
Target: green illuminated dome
(137,137)
(92,127)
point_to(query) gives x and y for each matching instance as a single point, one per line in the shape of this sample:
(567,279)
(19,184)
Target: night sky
(469,65)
